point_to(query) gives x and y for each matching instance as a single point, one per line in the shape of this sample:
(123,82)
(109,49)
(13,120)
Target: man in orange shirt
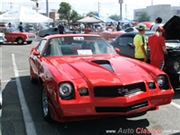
(157,48)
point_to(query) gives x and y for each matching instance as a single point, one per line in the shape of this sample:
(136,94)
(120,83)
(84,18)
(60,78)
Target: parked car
(110,35)
(13,35)
(52,31)
(2,38)
(125,43)
(148,24)
(29,27)
(172,61)
(82,77)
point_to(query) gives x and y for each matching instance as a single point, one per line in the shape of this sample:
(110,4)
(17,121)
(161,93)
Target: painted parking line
(29,124)
(5,81)
(175,105)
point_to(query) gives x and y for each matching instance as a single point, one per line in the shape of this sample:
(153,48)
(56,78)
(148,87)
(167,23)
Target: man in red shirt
(157,48)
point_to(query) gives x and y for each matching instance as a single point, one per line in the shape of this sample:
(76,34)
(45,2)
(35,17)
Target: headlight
(65,89)
(161,81)
(176,66)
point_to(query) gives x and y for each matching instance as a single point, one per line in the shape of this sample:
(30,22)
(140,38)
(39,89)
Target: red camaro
(83,77)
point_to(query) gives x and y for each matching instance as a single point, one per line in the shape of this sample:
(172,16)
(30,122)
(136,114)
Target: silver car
(2,38)
(52,31)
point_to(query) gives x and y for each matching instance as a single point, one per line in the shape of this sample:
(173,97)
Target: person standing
(157,48)
(9,24)
(87,29)
(140,43)
(118,28)
(158,22)
(61,29)
(21,29)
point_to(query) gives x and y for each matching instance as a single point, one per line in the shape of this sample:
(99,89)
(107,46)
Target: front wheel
(45,106)
(28,42)
(19,41)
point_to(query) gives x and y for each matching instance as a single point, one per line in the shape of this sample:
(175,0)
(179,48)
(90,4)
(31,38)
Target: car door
(125,44)
(54,31)
(35,59)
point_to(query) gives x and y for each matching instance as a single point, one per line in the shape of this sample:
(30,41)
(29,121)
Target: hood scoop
(104,63)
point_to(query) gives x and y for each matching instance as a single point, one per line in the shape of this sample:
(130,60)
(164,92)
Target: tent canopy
(105,19)
(125,20)
(23,14)
(90,19)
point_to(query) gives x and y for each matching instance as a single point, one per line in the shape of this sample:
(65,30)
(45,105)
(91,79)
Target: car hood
(172,28)
(109,69)
(26,33)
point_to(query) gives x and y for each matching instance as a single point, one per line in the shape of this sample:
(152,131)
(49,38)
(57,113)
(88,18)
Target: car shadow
(176,94)
(13,123)
(105,126)
(5,44)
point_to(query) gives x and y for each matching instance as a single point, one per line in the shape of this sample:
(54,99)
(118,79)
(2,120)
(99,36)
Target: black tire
(19,41)
(45,106)
(46,35)
(29,42)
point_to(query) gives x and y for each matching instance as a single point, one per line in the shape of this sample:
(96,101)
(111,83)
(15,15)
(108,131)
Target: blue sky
(107,7)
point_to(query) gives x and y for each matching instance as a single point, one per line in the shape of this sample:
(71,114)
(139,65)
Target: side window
(2,31)
(124,41)
(41,45)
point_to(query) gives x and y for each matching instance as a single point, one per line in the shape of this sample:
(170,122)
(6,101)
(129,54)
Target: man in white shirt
(158,22)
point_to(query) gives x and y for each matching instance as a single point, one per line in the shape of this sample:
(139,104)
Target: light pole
(120,2)
(47,8)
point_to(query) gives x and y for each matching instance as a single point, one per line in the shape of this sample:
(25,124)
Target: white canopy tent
(90,19)
(23,14)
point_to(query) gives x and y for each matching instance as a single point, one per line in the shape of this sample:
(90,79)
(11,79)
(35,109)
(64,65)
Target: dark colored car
(29,28)
(172,61)
(52,31)
(125,43)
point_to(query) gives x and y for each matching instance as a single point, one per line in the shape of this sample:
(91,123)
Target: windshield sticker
(84,52)
(78,38)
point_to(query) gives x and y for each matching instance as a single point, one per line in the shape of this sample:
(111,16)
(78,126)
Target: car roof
(134,33)
(70,35)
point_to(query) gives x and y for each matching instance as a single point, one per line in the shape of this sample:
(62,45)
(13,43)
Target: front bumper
(30,38)
(90,107)
(2,40)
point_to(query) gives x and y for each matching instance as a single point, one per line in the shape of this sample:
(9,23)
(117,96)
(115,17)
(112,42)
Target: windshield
(11,29)
(78,46)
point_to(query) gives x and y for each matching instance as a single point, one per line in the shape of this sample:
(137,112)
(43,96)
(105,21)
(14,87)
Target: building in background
(165,11)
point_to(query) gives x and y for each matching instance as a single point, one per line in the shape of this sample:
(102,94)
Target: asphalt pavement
(21,112)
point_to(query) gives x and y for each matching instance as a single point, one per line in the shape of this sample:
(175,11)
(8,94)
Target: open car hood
(172,28)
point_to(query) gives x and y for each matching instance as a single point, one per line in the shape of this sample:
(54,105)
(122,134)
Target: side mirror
(130,45)
(56,29)
(117,50)
(33,49)
(36,53)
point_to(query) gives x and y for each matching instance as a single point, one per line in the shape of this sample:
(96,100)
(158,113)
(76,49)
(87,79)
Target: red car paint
(13,35)
(104,85)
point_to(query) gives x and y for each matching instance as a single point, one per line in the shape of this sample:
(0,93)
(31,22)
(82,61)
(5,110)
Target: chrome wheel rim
(45,103)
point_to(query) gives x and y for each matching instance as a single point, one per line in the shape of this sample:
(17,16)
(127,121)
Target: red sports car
(83,77)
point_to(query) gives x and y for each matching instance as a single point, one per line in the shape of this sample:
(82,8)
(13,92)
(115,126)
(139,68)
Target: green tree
(66,13)
(143,17)
(1,12)
(91,13)
(115,17)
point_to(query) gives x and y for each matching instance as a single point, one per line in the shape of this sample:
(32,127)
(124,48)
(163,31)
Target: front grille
(115,91)
(121,109)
